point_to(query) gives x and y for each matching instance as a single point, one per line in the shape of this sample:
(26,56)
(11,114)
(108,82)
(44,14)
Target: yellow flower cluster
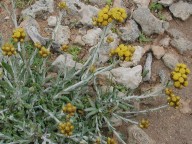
(92,68)
(64,47)
(174,101)
(109,40)
(18,35)
(62,5)
(8,49)
(43,51)
(69,109)
(179,75)
(107,15)
(124,52)
(111,141)
(144,123)
(66,128)
(98,141)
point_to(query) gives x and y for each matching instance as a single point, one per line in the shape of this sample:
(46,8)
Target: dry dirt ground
(168,126)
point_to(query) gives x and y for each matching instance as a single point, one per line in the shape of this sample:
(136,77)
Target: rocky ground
(168,40)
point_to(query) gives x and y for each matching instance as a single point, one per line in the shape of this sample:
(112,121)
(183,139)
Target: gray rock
(166,2)
(158,51)
(78,40)
(67,61)
(181,44)
(165,42)
(175,33)
(129,77)
(118,3)
(137,136)
(52,21)
(142,3)
(92,36)
(105,50)
(38,8)
(147,67)
(181,10)
(170,60)
(130,32)
(135,59)
(101,3)
(87,13)
(63,34)
(148,22)
(32,29)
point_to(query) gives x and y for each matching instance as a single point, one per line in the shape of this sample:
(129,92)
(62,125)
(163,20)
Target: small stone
(129,77)
(63,35)
(7,18)
(118,3)
(52,21)
(142,3)
(181,10)
(170,60)
(130,32)
(158,51)
(100,3)
(92,36)
(67,61)
(165,42)
(137,136)
(148,22)
(147,67)
(78,41)
(185,106)
(166,2)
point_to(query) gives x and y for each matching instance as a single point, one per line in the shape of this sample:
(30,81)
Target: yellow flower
(144,123)
(66,128)
(62,5)
(8,49)
(69,109)
(111,141)
(64,47)
(18,35)
(44,52)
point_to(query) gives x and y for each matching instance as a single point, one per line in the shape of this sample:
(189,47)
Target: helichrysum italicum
(69,109)
(64,47)
(66,128)
(107,15)
(124,52)
(173,100)
(179,75)
(18,35)
(111,141)
(8,49)
(42,50)
(144,123)
(109,39)
(62,5)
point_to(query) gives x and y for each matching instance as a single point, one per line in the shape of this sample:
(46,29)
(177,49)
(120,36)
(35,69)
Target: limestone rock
(78,40)
(52,21)
(137,136)
(165,42)
(39,7)
(101,3)
(92,36)
(147,67)
(158,51)
(166,2)
(142,3)
(130,32)
(148,22)
(181,10)
(129,77)
(63,35)
(170,60)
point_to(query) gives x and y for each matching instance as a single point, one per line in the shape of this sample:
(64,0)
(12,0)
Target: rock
(170,60)
(135,59)
(105,50)
(130,32)
(32,29)
(78,40)
(100,3)
(38,8)
(52,21)
(74,6)
(148,22)
(7,18)
(181,44)
(185,106)
(163,77)
(137,136)
(63,35)
(147,67)
(92,36)
(166,2)
(158,51)
(87,13)
(118,3)
(142,3)
(175,33)
(129,77)
(165,42)
(146,49)
(61,62)
(181,10)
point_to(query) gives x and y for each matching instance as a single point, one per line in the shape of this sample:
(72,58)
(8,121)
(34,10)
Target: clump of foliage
(70,107)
